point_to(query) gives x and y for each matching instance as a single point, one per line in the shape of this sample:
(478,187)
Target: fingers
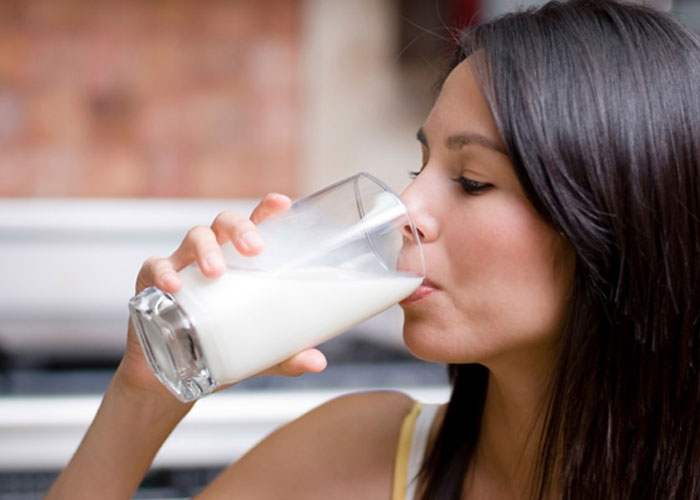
(308,361)
(158,272)
(241,231)
(200,245)
(271,204)
(163,272)
(203,245)
(230,226)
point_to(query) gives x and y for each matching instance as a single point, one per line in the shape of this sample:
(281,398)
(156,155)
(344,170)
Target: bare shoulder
(344,448)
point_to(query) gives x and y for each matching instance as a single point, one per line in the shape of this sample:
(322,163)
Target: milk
(247,321)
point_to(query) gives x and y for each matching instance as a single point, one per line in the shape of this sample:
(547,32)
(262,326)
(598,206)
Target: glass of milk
(330,262)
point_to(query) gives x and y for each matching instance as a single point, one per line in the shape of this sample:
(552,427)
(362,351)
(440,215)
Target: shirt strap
(403,452)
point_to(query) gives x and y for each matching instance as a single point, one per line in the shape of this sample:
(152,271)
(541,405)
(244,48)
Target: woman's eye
(413,173)
(472,187)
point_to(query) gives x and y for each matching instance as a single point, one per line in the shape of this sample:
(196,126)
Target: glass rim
(386,189)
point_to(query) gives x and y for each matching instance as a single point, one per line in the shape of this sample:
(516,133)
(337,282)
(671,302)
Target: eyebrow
(455,142)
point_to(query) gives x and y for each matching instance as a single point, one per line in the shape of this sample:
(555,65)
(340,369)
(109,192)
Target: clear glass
(330,262)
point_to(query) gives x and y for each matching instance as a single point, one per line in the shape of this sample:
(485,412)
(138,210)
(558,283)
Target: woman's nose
(421,216)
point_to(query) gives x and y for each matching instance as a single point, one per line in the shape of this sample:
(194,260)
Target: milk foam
(247,321)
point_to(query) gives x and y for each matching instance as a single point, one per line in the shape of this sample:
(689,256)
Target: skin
(496,293)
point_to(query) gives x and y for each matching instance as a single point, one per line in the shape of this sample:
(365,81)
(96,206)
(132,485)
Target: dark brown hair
(598,103)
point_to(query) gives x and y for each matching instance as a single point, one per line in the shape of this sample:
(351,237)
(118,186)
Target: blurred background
(125,122)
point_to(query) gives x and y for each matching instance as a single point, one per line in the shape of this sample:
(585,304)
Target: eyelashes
(469,186)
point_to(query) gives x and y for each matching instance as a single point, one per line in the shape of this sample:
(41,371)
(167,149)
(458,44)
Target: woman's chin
(425,347)
(438,345)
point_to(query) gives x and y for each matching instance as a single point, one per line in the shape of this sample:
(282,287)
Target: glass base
(170,344)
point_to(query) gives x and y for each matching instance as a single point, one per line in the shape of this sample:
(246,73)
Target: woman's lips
(425,289)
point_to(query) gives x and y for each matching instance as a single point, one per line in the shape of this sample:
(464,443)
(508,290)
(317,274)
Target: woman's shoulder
(378,407)
(361,422)
(343,448)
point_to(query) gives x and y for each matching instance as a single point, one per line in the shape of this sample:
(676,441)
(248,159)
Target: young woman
(558,204)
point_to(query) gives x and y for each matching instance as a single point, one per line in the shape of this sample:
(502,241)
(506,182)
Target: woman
(559,211)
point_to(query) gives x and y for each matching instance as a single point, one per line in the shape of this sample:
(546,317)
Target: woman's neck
(512,420)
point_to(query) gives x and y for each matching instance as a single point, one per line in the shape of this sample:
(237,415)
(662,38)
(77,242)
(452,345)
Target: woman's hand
(137,412)
(202,245)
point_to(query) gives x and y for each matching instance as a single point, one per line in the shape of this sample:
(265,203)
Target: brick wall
(135,98)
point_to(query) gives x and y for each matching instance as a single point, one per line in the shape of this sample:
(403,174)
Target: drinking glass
(330,262)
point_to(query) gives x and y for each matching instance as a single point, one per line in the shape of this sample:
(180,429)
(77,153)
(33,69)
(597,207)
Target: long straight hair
(598,103)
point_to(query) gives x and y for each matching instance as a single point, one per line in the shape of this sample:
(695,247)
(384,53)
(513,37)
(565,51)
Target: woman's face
(498,276)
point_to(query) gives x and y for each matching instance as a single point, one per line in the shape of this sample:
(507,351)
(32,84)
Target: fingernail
(169,280)
(252,240)
(214,261)
(278,196)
